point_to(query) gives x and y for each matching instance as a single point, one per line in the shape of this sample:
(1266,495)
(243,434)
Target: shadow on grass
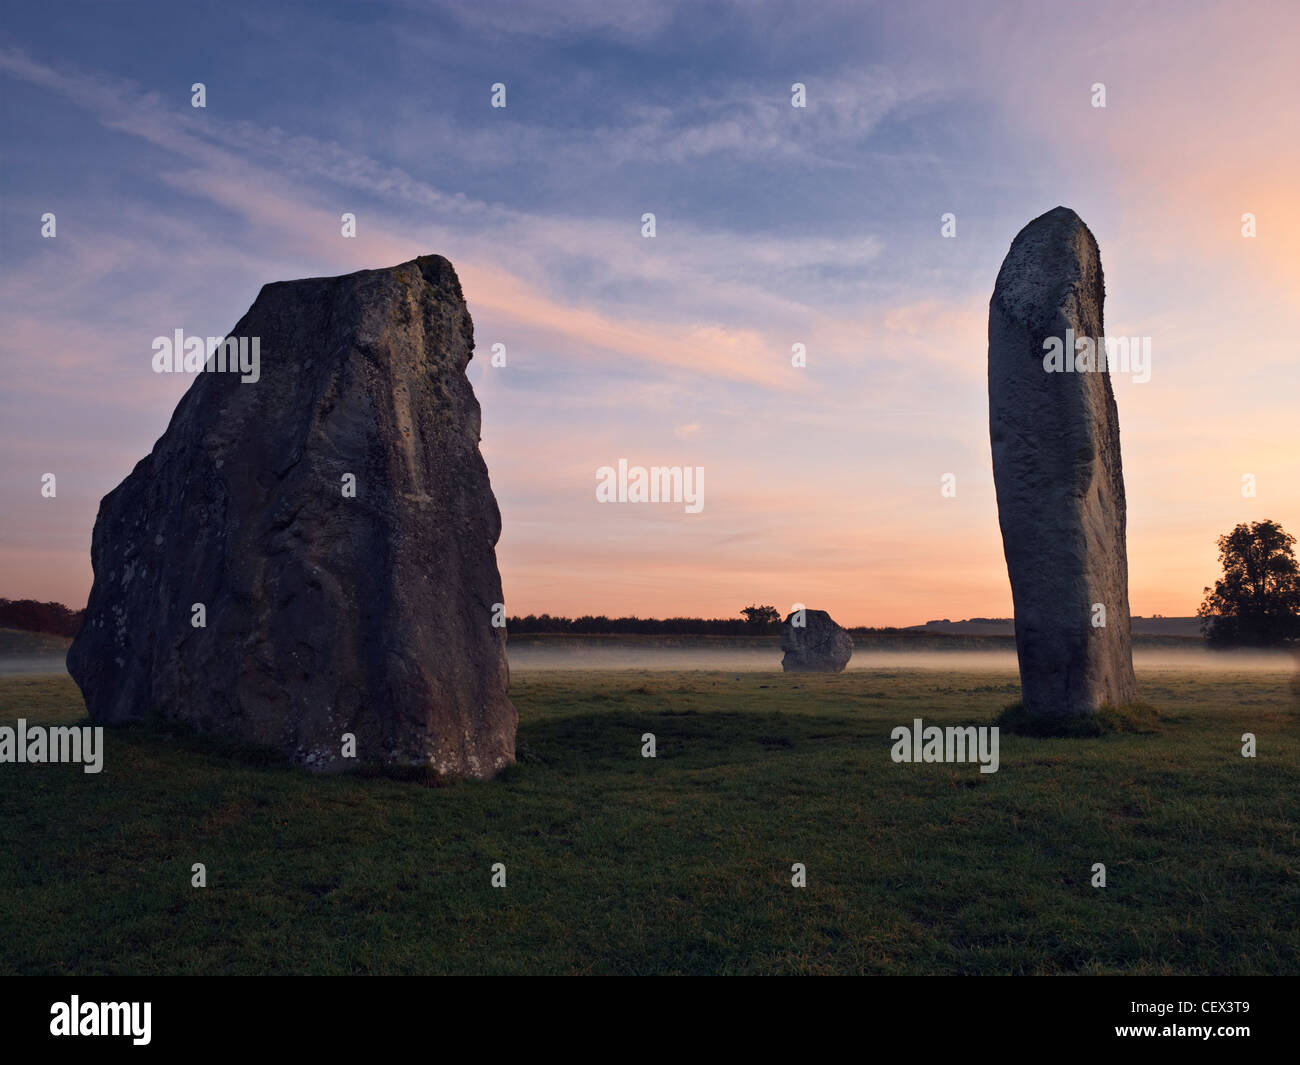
(607,740)
(174,736)
(613,739)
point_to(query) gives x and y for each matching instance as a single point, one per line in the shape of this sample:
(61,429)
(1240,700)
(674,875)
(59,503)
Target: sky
(775,226)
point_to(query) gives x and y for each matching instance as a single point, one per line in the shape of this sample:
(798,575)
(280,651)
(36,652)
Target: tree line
(599,624)
(1255,604)
(53,618)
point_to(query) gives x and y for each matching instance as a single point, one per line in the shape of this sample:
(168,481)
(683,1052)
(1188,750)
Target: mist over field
(603,655)
(761,660)
(31,664)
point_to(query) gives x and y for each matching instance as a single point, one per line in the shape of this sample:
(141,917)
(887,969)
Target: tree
(1257,601)
(761,617)
(32,616)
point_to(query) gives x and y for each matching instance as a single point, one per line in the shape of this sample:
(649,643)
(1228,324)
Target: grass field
(679,864)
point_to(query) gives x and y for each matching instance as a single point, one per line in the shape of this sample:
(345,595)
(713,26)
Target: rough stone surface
(1056,467)
(819,646)
(325,614)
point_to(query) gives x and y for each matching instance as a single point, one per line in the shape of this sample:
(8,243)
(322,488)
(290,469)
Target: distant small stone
(818,645)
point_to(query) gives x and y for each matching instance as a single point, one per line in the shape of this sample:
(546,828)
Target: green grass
(619,864)
(1137,716)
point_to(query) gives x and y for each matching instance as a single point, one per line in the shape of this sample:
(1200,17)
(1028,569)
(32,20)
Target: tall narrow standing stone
(1056,467)
(331,525)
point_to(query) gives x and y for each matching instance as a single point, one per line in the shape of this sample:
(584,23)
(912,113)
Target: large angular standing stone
(1056,467)
(818,645)
(326,612)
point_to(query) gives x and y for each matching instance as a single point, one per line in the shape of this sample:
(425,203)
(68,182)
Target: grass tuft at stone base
(1137,716)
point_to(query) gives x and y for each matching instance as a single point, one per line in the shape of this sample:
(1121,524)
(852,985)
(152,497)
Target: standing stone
(1056,467)
(327,609)
(817,646)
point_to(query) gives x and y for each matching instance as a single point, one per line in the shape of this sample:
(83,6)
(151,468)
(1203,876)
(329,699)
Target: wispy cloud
(776,226)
